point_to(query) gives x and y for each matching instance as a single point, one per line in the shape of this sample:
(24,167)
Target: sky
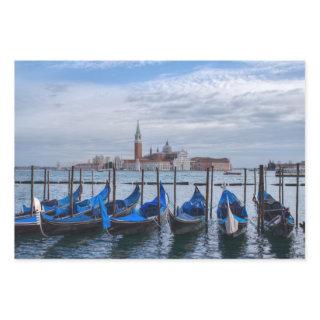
(248,111)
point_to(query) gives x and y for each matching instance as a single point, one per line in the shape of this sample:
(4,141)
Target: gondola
(27,223)
(88,214)
(232,215)
(141,220)
(190,217)
(277,218)
(123,207)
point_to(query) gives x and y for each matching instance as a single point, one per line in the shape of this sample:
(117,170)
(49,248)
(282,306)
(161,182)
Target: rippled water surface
(161,243)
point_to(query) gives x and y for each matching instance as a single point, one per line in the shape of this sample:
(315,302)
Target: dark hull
(280,230)
(50,228)
(26,228)
(130,227)
(61,228)
(180,226)
(242,229)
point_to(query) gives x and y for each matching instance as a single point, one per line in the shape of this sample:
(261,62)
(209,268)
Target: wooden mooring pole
(48,188)
(142,185)
(45,184)
(265,179)
(109,177)
(282,187)
(211,191)
(32,195)
(158,195)
(255,181)
(92,182)
(245,187)
(261,196)
(80,179)
(71,190)
(175,192)
(69,181)
(114,189)
(297,196)
(207,195)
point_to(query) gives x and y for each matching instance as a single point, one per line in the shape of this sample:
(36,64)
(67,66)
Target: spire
(138,133)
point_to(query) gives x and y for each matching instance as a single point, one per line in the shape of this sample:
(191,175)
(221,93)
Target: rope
(39,222)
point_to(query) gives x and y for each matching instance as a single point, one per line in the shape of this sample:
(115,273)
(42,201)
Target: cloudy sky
(69,111)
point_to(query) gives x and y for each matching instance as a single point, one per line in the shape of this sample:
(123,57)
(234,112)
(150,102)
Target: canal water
(161,244)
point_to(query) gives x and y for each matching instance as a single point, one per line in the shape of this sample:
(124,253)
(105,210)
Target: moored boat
(277,218)
(141,220)
(88,214)
(190,217)
(26,222)
(232,215)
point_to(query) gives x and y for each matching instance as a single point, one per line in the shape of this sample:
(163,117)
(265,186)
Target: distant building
(182,162)
(163,160)
(202,163)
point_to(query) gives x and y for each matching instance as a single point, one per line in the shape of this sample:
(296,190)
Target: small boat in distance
(191,216)
(233,173)
(277,218)
(232,215)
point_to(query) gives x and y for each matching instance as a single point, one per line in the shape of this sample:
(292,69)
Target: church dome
(167,148)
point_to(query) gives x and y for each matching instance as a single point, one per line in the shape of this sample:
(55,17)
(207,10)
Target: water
(161,244)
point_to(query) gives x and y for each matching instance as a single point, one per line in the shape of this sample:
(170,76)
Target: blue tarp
(147,210)
(28,219)
(93,202)
(56,203)
(125,203)
(196,206)
(236,207)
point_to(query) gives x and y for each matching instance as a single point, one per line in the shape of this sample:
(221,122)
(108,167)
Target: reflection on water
(232,248)
(182,245)
(161,243)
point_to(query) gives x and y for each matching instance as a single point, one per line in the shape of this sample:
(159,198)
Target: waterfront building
(182,162)
(202,163)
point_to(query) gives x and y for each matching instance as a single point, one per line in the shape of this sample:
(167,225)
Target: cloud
(101,65)
(254,113)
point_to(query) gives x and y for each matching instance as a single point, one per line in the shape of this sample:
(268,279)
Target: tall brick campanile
(137,144)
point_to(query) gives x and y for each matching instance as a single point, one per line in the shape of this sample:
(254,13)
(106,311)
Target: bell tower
(137,144)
